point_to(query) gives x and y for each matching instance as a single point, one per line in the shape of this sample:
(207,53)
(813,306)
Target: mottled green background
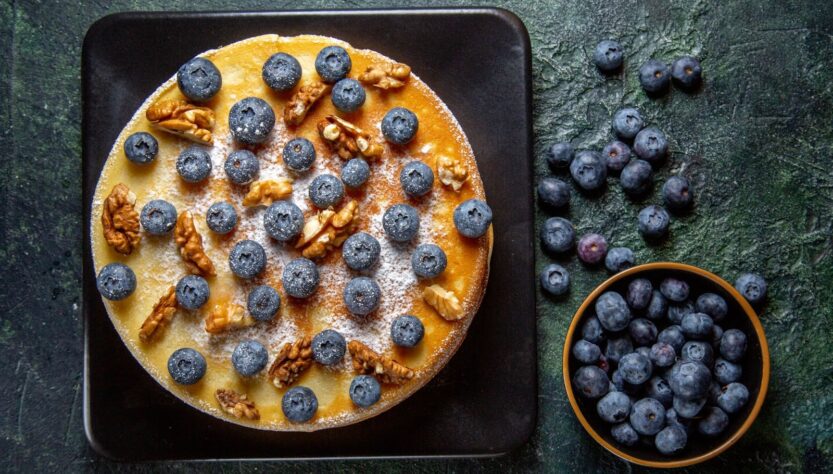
(756,143)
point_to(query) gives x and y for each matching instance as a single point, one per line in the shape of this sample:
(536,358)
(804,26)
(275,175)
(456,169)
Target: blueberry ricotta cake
(291,233)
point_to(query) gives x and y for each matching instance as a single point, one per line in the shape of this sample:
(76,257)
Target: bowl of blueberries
(666,364)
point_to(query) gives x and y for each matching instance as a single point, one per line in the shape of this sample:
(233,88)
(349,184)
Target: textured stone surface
(756,142)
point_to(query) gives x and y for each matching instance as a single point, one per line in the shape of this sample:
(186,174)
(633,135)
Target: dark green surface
(757,143)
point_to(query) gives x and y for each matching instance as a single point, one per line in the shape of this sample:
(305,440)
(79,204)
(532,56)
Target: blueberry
(651,145)
(614,407)
(673,419)
(416,178)
(362,295)
(472,218)
(617,155)
(249,357)
(673,336)
(734,397)
(623,433)
(300,278)
(589,170)
(608,56)
(407,331)
(428,261)
(192,292)
(752,287)
(654,76)
(658,389)
(361,251)
(299,154)
(328,347)
(644,351)
(698,351)
(116,281)
(733,345)
(686,72)
(647,416)
(281,72)
(690,379)
(618,347)
(635,368)
(627,123)
(555,279)
(199,79)
(560,156)
(592,249)
(657,307)
(619,259)
(612,311)
(399,125)
(250,120)
(697,326)
(554,193)
(141,148)
(713,305)
(326,191)
(242,167)
(193,164)
(186,366)
(158,217)
(365,390)
(713,422)
(674,289)
(636,177)
(247,259)
(592,331)
(586,352)
(283,221)
(716,336)
(221,217)
(676,193)
(642,331)
(715,389)
(263,302)
(688,408)
(653,222)
(401,222)
(639,293)
(663,354)
(726,372)
(332,64)
(676,312)
(671,440)
(355,173)
(591,382)
(299,404)
(557,235)
(348,95)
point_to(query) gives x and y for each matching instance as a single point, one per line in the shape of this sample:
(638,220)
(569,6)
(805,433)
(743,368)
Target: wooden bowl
(755,366)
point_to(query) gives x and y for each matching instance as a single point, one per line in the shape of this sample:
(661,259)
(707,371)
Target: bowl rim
(747,309)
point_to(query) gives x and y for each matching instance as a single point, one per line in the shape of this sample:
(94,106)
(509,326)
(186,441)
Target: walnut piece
(327,230)
(292,360)
(387,370)
(120,220)
(236,405)
(264,193)
(348,140)
(225,317)
(183,119)
(386,76)
(444,302)
(190,246)
(451,172)
(161,314)
(303,100)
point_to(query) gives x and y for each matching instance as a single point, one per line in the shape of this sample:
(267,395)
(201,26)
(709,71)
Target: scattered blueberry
(591,382)
(300,278)
(627,123)
(674,289)
(472,218)
(428,261)
(332,64)
(399,125)
(193,164)
(355,173)
(677,311)
(639,293)
(186,366)
(592,331)
(299,154)
(697,351)
(658,389)
(619,259)
(116,281)
(416,178)
(299,404)
(247,259)
(401,222)
(263,303)
(249,357)
(647,416)
(651,145)
(612,311)
(560,156)
(328,347)
(158,217)
(636,177)
(654,76)
(360,251)
(242,167)
(592,249)
(635,368)
(726,372)
(697,326)
(555,279)
(671,440)
(657,307)
(199,79)
(192,292)
(250,120)
(614,407)
(608,56)
(713,422)
(326,191)
(365,390)
(554,193)
(653,222)
(623,433)
(673,336)
(281,72)
(407,331)
(589,170)
(557,235)
(713,305)
(733,345)
(362,296)
(221,217)
(690,379)
(141,148)
(676,194)
(283,221)
(686,72)
(642,331)
(752,287)
(617,155)
(618,347)
(348,95)
(586,352)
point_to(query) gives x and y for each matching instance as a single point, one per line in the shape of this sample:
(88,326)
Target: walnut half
(161,314)
(225,317)
(120,220)
(444,302)
(190,246)
(348,140)
(387,370)
(301,103)
(451,172)
(183,119)
(264,193)
(386,76)
(236,405)
(327,230)
(292,360)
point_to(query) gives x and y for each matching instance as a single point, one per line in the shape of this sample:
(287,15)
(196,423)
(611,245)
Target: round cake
(292,234)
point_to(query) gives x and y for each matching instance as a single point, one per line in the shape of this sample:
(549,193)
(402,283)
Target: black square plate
(485,401)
